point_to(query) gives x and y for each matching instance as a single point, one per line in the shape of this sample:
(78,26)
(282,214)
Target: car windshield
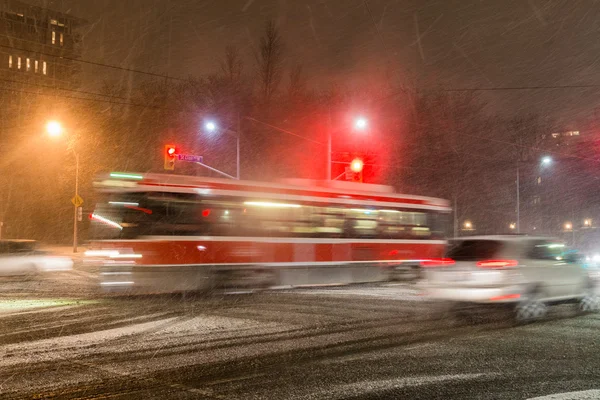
(473,250)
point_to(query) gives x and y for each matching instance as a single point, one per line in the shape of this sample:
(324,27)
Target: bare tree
(269,61)
(232,65)
(297,85)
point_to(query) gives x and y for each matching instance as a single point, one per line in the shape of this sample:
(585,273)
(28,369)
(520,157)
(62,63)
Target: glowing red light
(497,263)
(171,151)
(356,165)
(437,262)
(206,212)
(506,297)
(144,210)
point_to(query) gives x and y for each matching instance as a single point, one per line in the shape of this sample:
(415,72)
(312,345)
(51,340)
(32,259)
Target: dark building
(39,45)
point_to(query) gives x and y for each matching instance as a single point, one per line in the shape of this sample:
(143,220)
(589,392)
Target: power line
(87,99)
(90,62)
(63,89)
(142,105)
(284,130)
(500,88)
(385,48)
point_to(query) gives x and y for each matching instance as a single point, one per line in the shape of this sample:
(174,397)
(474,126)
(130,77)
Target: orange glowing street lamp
(55,129)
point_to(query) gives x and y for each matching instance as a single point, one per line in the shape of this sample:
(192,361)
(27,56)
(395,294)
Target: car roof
(507,238)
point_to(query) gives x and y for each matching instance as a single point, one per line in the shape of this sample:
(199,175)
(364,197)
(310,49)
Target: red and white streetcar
(158,232)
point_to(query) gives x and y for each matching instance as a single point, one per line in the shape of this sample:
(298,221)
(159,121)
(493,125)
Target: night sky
(420,43)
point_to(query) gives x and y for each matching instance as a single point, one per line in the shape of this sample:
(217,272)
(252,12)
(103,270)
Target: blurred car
(527,272)
(22,257)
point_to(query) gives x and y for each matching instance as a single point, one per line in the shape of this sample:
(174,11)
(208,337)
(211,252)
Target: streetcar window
(166,214)
(361,223)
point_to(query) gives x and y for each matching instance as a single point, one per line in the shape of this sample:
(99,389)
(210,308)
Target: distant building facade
(39,45)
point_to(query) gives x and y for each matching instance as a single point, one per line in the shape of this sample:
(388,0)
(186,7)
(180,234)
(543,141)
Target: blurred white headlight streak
(271,204)
(125,256)
(115,273)
(108,222)
(123,203)
(101,253)
(121,283)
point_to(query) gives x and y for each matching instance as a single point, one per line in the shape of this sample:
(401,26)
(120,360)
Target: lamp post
(211,126)
(545,161)
(360,124)
(55,129)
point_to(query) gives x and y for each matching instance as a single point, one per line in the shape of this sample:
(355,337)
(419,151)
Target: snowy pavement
(365,341)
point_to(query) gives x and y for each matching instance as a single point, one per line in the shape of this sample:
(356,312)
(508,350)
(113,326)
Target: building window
(62,37)
(10,61)
(53,37)
(44,70)
(539,180)
(19,63)
(53,22)
(28,65)
(36,66)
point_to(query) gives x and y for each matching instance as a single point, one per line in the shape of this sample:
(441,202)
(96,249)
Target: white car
(528,272)
(21,257)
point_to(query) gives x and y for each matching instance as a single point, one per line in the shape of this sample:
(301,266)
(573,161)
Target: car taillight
(492,264)
(437,262)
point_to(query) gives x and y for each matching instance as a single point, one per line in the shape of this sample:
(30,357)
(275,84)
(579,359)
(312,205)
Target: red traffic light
(357,165)
(170,153)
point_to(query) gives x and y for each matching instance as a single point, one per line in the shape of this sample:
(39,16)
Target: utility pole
(518,200)
(519,187)
(329,146)
(455,215)
(239,134)
(76,206)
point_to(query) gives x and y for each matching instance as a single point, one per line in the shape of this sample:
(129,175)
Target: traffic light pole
(239,133)
(518,199)
(328,154)
(76,197)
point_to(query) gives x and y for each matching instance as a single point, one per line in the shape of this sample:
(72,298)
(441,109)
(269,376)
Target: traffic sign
(189,157)
(77,201)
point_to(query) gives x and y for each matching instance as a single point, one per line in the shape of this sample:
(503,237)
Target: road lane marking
(581,395)
(374,386)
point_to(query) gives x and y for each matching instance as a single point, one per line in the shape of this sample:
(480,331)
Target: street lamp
(212,126)
(468,225)
(568,226)
(545,161)
(587,222)
(360,124)
(54,130)
(512,226)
